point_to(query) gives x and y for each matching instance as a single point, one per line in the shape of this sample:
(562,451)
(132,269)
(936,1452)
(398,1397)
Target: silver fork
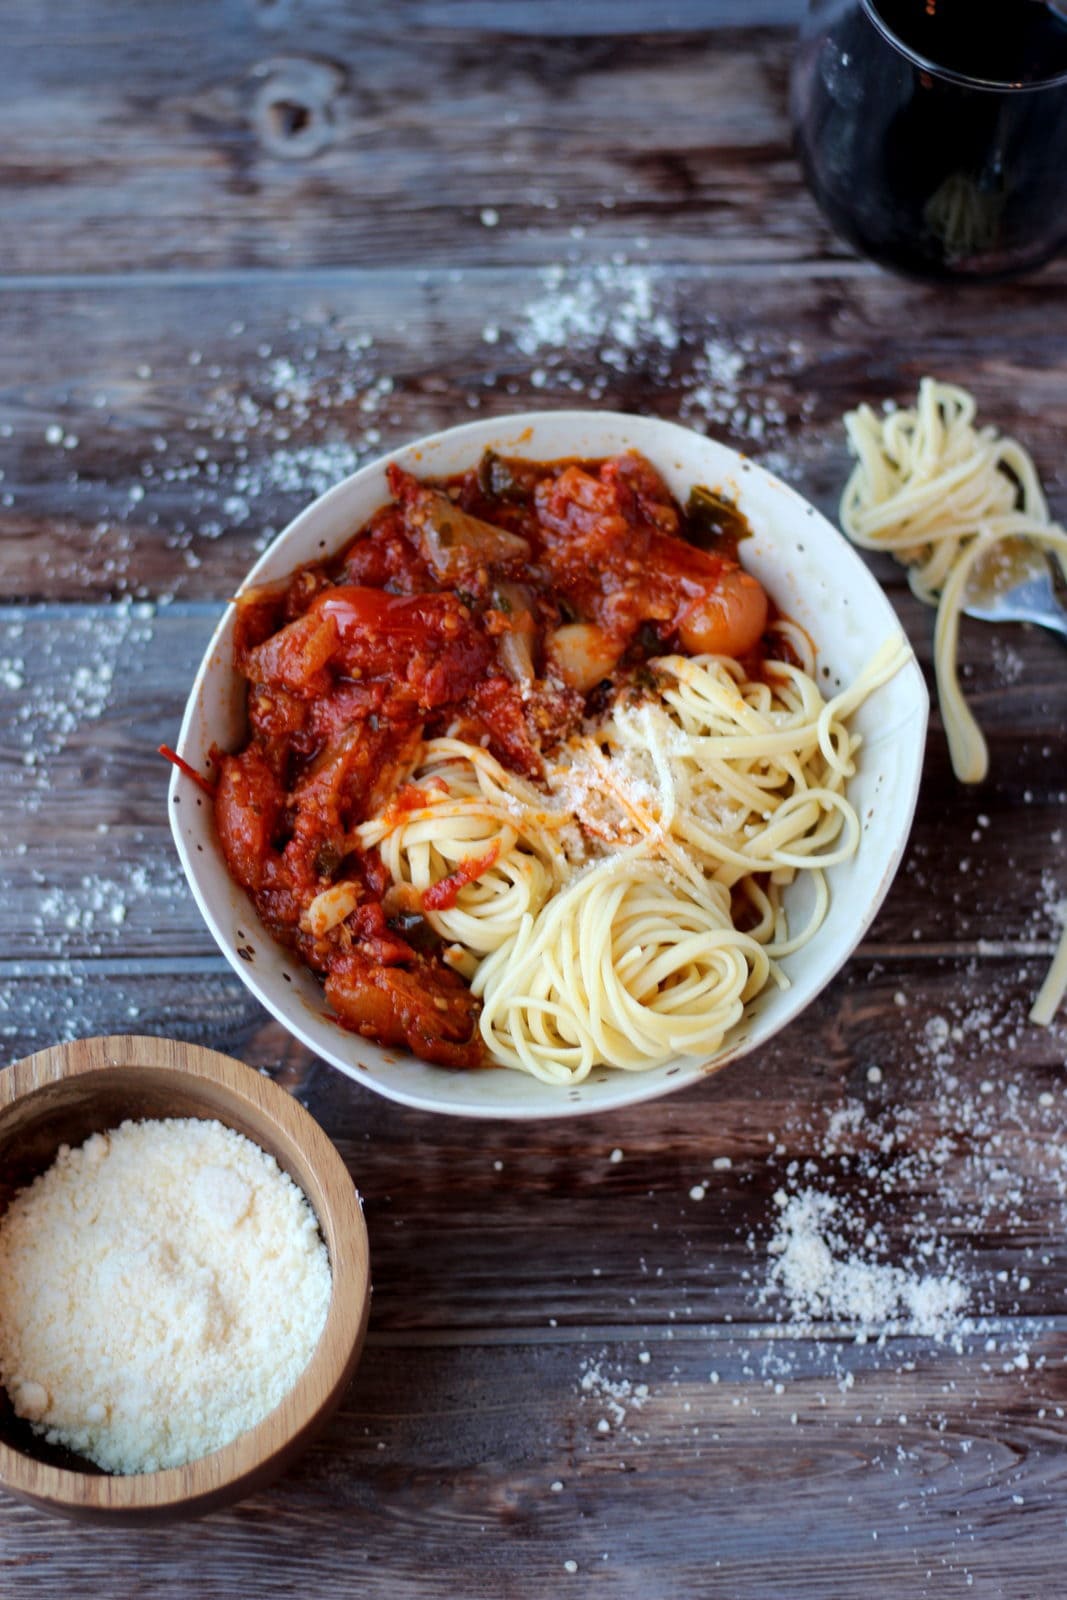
(1018,587)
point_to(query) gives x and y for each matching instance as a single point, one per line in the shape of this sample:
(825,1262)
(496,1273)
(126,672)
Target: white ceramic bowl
(815,577)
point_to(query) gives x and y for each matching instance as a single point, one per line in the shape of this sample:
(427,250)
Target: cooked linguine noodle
(632,905)
(949,499)
(531,765)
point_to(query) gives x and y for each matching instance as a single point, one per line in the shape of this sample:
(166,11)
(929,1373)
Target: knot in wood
(294,108)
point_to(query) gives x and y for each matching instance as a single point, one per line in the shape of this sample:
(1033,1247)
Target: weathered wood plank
(259,133)
(482,1472)
(151,430)
(169,426)
(559,19)
(87,865)
(941,1118)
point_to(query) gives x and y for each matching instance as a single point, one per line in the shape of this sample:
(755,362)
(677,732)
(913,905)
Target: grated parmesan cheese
(819,1269)
(604,812)
(162,1287)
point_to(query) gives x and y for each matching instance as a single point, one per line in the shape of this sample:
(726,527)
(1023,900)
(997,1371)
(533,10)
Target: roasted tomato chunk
(425,1007)
(502,608)
(249,806)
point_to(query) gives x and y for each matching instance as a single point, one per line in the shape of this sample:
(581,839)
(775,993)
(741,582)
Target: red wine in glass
(933,133)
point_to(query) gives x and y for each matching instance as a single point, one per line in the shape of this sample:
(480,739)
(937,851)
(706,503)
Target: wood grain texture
(241,257)
(502,1227)
(296,139)
(170,425)
(480,1471)
(88,867)
(63,1094)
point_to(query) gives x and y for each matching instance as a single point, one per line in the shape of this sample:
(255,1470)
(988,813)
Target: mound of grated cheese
(162,1287)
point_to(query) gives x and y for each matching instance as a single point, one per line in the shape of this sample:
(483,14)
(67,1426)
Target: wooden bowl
(61,1096)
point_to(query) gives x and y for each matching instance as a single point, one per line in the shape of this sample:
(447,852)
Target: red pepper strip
(441,896)
(190,772)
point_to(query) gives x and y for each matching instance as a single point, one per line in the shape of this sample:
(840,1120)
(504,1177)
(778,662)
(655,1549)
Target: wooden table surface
(245,246)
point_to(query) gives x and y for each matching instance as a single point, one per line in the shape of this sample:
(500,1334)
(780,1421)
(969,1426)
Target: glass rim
(963,79)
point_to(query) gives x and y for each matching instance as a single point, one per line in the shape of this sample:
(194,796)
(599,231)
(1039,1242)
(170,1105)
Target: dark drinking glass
(933,133)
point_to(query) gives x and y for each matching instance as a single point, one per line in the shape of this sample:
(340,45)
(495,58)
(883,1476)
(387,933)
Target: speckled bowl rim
(814,575)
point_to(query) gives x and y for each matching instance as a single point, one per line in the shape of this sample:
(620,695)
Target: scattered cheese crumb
(822,1271)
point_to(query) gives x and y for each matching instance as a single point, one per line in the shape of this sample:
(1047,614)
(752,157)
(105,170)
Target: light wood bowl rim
(257,1455)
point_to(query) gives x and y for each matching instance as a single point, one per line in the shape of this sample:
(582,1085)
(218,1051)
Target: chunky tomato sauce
(502,606)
